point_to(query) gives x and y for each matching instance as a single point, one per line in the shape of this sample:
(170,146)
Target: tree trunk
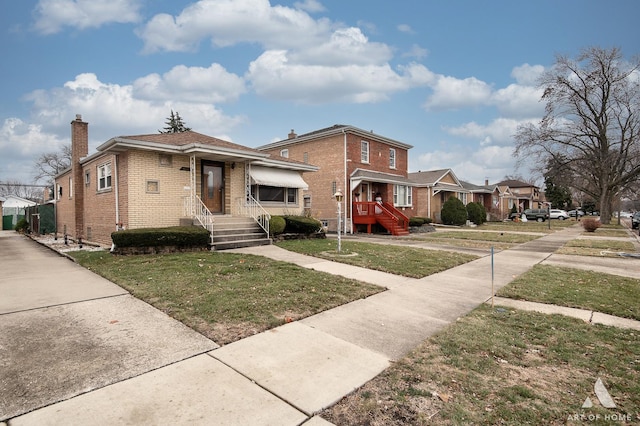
(605,207)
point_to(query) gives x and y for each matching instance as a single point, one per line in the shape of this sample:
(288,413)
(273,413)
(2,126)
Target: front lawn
(574,288)
(503,367)
(226,296)
(394,259)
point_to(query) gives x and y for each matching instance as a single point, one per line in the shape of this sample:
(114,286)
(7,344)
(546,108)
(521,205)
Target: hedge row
(177,236)
(294,225)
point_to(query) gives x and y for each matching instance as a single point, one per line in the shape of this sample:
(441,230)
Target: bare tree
(591,126)
(22,190)
(50,164)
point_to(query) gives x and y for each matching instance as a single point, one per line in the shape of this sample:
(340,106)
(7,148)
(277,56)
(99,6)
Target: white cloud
(500,131)
(527,75)
(20,145)
(451,93)
(191,84)
(345,46)
(416,52)
(273,76)
(227,23)
(53,15)
(405,28)
(519,101)
(311,6)
(491,162)
(108,106)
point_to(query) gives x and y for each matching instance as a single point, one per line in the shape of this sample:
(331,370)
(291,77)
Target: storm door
(213,186)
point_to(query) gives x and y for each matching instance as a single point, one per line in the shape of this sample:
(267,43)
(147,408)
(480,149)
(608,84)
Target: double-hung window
(402,195)
(104,176)
(364,151)
(392,158)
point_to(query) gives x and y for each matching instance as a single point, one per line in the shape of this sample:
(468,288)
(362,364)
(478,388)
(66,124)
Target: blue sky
(451,78)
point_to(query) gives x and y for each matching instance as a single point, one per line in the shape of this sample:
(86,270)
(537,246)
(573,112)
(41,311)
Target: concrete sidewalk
(282,376)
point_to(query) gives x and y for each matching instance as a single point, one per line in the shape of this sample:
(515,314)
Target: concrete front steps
(231,232)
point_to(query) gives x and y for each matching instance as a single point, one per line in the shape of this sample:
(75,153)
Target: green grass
(226,296)
(510,238)
(595,247)
(398,260)
(500,366)
(609,294)
(529,226)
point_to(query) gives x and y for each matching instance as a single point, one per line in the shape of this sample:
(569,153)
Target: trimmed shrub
(277,225)
(476,213)
(590,224)
(177,236)
(453,212)
(302,225)
(416,221)
(22,225)
(419,221)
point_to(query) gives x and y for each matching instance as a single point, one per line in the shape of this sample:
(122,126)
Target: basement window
(153,187)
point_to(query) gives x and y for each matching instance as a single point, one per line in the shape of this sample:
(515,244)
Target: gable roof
(432,178)
(15,201)
(336,129)
(516,184)
(478,188)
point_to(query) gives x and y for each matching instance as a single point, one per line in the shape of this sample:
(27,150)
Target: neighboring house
(169,179)
(363,166)
(432,189)
(13,209)
(497,200)
(527,195)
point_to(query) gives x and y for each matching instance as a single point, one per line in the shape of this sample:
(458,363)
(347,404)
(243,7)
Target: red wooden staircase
(384,214)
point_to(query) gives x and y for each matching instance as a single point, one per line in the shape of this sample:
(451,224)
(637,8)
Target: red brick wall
(65,213)
(100,206)
(328,155)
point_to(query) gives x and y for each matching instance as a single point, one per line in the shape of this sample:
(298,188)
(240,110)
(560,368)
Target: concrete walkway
(282,376)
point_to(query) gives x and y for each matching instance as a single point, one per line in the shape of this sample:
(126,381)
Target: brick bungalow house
(363,166)
(160,180)
(497,200)
(432,189)
(527,195)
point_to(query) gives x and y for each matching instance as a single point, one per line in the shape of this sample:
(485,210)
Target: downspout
(117,201)
(347,195)
(429,195)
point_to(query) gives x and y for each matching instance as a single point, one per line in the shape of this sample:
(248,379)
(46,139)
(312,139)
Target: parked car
(624,214)
(635,220)
(536,214)
(575,213)
(558,214)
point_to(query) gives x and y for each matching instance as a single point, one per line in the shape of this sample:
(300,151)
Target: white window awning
(277,177)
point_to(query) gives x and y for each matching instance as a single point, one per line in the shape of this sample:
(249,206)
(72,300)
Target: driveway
(65,331)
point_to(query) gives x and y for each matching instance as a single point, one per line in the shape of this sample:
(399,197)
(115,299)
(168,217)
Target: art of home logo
(606,401)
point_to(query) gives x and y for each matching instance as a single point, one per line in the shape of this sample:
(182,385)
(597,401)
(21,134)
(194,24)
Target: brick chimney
(79,150)
(486,182)
(292,135)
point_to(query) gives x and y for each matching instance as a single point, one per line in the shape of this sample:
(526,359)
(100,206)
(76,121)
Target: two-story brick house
(362,165)
(526,195)
(160,180)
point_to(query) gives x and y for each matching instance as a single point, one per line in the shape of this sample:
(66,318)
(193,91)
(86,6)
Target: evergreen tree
(174,124)
(453,212)
(558,196)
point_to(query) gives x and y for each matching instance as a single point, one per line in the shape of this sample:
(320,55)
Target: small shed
(13,209)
